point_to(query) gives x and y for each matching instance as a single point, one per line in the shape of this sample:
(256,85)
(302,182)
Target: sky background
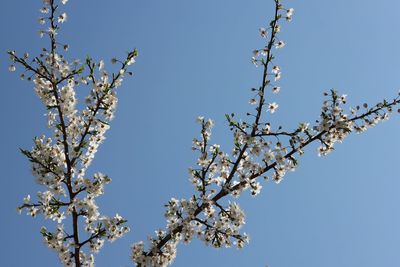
(339,210)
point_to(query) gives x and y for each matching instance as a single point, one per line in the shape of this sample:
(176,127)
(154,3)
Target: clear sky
(340,210)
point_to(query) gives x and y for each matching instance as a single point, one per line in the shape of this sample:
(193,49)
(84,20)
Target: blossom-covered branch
(259,151)
(59,162)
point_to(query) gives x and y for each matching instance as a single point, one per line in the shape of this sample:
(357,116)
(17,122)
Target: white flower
(209,123)
(214,148)
(263,32)
(254,61)
(343,99)
(44,10)
(272,107)
(277,76)
(62,18)
(101,65)
(64,1)
(256,189)
(264,51)
(275,69)
(12,68)
(52,31)
(267,128)
(304,126)
(289,14)
(280,44)
(276,89)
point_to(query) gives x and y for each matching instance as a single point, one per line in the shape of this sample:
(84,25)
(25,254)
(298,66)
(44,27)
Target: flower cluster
(59,162)
(184,222)
(163,258)
(336,124)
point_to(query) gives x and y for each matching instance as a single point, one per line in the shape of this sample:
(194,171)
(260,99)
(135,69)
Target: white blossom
(272,107)
(62,17)
(289,14)
(280,44)
(276,89)
(263,32)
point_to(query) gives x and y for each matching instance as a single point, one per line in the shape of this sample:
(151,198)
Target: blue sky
(340,210)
